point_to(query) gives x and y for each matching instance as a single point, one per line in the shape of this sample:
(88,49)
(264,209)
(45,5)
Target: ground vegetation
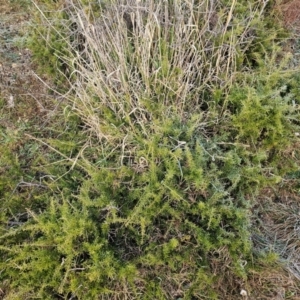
(160,167)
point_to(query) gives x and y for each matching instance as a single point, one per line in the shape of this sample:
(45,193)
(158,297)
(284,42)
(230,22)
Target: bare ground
(24,98)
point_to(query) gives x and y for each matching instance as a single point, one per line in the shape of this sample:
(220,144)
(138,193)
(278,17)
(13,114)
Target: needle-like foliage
(183,117)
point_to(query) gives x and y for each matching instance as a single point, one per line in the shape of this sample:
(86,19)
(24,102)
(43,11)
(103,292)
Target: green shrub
(153,200)
(48,41)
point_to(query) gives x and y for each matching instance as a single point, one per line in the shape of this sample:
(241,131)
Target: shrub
(184,121)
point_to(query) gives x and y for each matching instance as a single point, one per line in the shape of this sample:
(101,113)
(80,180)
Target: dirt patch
(291,14)
(23,95)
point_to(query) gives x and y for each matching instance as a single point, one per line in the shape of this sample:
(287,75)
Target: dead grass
(124,49)
(276,229)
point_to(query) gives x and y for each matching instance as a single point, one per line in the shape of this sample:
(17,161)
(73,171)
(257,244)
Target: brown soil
(23,95)
(291,14)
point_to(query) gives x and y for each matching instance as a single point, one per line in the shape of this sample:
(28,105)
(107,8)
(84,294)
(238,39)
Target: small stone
(11,102)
